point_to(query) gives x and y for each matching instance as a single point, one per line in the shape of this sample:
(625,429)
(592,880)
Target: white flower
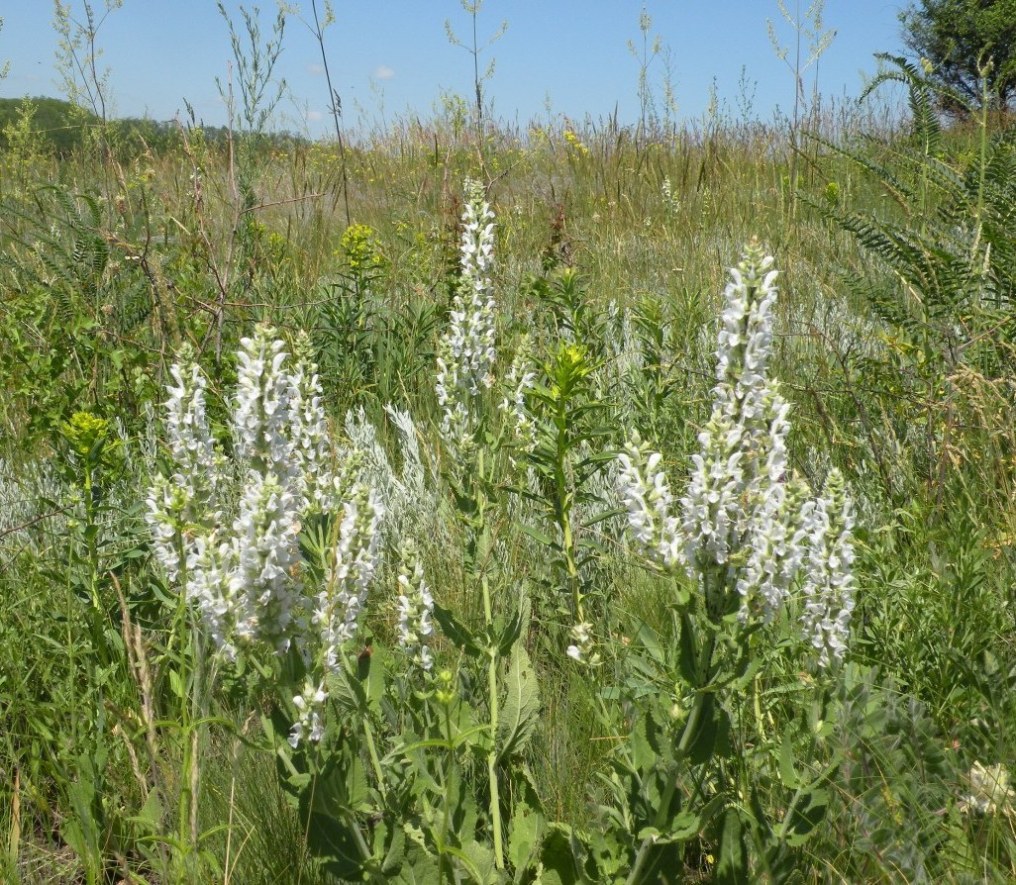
(825,535)
(518,383)
(416,608)
(308,724)
(645,493)
(244,569)
(188,496)
(263,417)
(745,527)
(748,425)
(312,448)
(353,563)
(583,647)
(266,559)
(466,352)
(991,791)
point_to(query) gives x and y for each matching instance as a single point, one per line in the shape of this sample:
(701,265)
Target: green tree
(959,41)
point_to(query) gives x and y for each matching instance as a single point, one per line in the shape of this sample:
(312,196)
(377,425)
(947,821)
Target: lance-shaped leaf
(521,706)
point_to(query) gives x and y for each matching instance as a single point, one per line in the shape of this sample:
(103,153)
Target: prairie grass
(108,263)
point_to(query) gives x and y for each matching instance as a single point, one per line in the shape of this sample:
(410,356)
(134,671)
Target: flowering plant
(228,531)
(746,543)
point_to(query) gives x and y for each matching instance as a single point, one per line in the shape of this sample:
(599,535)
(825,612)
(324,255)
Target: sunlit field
(461,501)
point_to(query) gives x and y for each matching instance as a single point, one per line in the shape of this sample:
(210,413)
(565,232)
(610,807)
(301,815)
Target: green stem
(368,736)
(480,564)
(495,800)
(643,859)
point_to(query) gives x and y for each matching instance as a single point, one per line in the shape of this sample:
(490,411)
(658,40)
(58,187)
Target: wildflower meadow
(548,504)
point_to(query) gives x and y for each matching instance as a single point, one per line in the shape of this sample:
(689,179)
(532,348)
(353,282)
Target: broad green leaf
(558,855)
(524,831)
(521,707)
(808,813)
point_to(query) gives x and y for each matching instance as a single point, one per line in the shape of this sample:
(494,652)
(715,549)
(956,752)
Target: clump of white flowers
(746,527)
(583,645)
(416,607)
(826,523)
(519,381)
(646,496)
(466,352)
(186,501)
(240,564)
(991,792)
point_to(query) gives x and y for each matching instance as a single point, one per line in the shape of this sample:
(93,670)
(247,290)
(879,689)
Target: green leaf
(457,632)
(524,832)
(513,629)
(688,660)
(419,868)
(176,684)
(521,708)
(683,827)
(562,856)
(807,814)
(787,773)
(149,818)
(711,731)
(732,868)
(650,641)
(541,538)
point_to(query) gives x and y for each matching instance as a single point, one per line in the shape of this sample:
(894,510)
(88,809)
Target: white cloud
(383,72)
(315,70)
(314,116)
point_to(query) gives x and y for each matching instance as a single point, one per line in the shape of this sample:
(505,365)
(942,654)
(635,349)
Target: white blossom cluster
(991,792)
(743,446)
(646,496)
(182,503)
(416,608)
(309,725)
(583,647)
(825,530)
(517,383)
(466,352)
(241,565)
(745,526)
(354,562)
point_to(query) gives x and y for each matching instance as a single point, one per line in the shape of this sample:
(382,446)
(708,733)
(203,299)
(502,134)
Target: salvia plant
(746,525)
(228,529)
(752,550)
(407,753)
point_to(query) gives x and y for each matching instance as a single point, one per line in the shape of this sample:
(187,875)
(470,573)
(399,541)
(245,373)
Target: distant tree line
(62,125)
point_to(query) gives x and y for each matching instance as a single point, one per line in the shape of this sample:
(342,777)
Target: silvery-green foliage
(622,344)
(21,491)
(411,493)
(418,490)
(362,435)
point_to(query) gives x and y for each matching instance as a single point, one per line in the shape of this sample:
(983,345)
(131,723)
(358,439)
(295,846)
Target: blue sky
(392,57)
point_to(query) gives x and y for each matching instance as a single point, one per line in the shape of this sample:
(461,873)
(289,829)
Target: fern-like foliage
(952,245)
